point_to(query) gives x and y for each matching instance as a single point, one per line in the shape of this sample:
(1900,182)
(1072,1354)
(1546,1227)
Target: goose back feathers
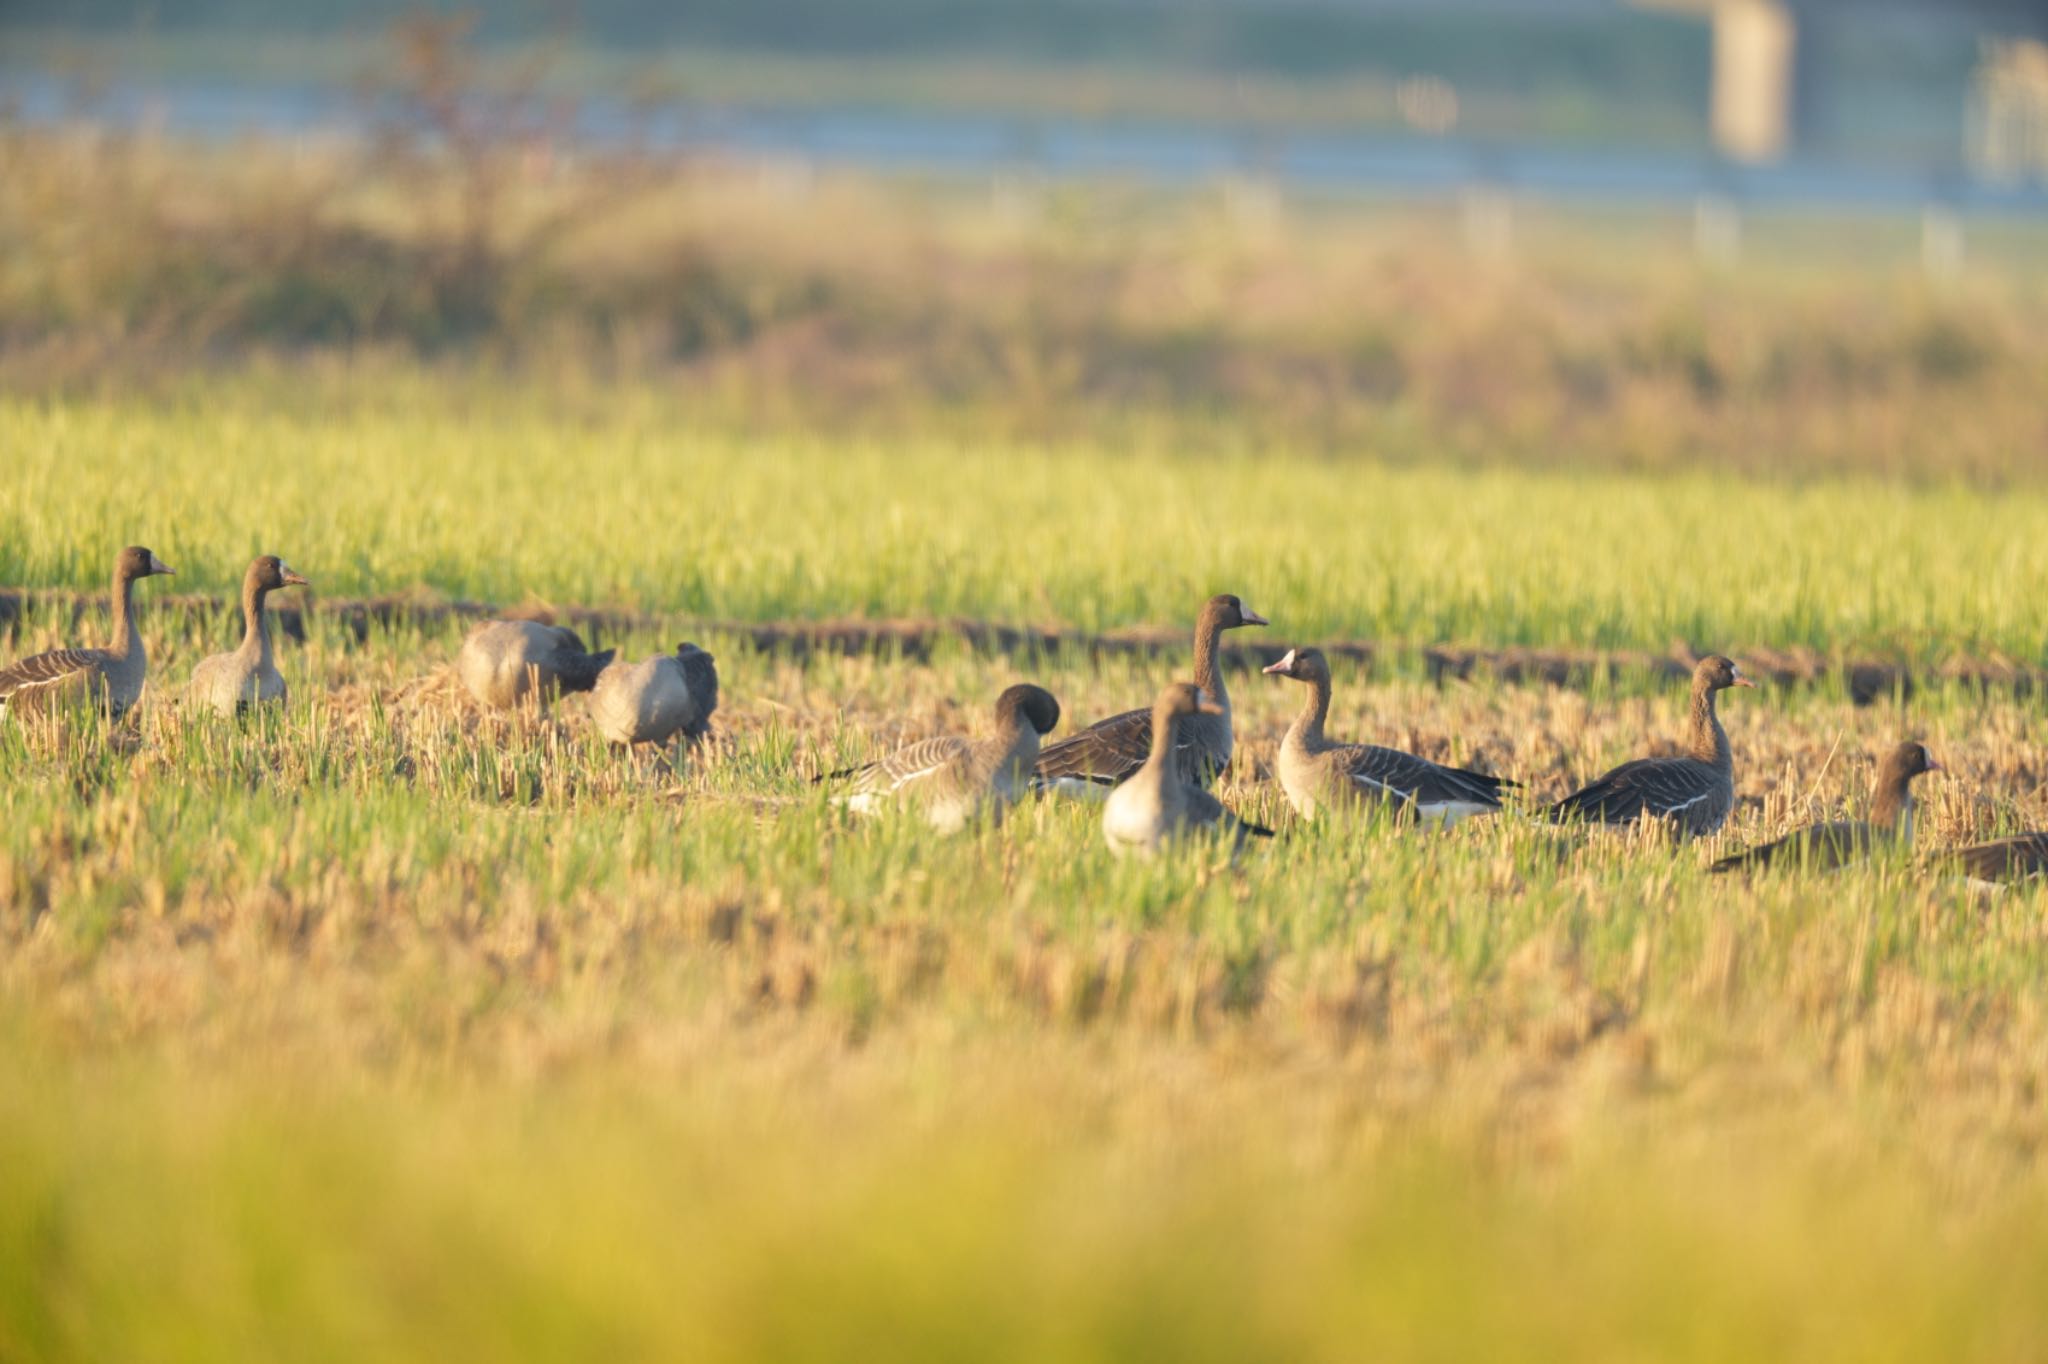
(652,701)
(1318,774)
(1111,751)
(2002,859)
(111,677)
(503,662)
(1836,843)
(1692,794)
(955,780)
(232,682)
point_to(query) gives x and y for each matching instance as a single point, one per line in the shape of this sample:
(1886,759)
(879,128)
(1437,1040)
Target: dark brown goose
(232,682)
(1824,847)
(1159,806)
(652,701)
(503,662)
(953,780)
(1110,751)
(1318,774)
(111,677)
(1691,794)
(2002,859)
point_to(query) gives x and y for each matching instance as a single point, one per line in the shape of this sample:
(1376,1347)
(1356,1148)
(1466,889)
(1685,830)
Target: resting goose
(2002,859)
(1159,805)
(1692,794)
(1318,774)
(504,661)
(1109,751)
(653,701)
(232,682)
(955,780)
(1824,847)
(111,677)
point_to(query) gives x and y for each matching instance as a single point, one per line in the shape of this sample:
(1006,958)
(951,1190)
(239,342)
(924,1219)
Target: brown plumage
(652,701)
(1824,847)
(1158,805)
(111,677)
(504,662)
(1318,774)
(232,682)
(1109,751)
(2002,859)
(1691,794)
(955,780)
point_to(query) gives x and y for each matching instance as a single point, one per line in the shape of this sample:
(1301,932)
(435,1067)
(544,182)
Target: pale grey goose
(1109,751)
(953,780)
(505,662)
(111,677)
(232,682)
(1824,847)
(1691,794)
(652,701)
(1158,805)
(1319,774)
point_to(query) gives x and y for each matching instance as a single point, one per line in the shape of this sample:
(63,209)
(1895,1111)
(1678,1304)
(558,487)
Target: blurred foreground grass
(383,1028)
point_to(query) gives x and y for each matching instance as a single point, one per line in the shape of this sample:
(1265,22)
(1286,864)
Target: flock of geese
(1152,768)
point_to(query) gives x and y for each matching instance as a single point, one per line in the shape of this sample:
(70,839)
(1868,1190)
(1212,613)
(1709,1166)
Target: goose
(1158,805)
(1110,751)
(955,780)
(1691,794)
(652,701)
(111,677)
(2002,859)
(1824,847)
(505,661)
(1318,774)
(232,682)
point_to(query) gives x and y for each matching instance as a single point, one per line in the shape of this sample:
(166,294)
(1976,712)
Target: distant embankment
(1866,681)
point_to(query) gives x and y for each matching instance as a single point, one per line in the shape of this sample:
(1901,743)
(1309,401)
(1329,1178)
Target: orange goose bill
(1837,843)
(1691,794)
(1316,772)
(1111,751)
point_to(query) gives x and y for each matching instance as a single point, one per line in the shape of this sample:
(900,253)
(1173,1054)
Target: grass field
(383,1027)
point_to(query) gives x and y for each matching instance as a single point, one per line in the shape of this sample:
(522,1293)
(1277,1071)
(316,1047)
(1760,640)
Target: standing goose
(1317,773)
(956,780)
(232,682)
(1109,751)
(2002,859)
(504,661)
(653,701)
(1159,805)
(111,677)
(1692,794)
(1824,847)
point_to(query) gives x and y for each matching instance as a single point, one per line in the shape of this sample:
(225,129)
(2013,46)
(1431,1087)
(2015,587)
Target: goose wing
(1663,788)
(1104,754)
(1819,847)
(44,677)
(913,763)
(2004,859)
(1391,774)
